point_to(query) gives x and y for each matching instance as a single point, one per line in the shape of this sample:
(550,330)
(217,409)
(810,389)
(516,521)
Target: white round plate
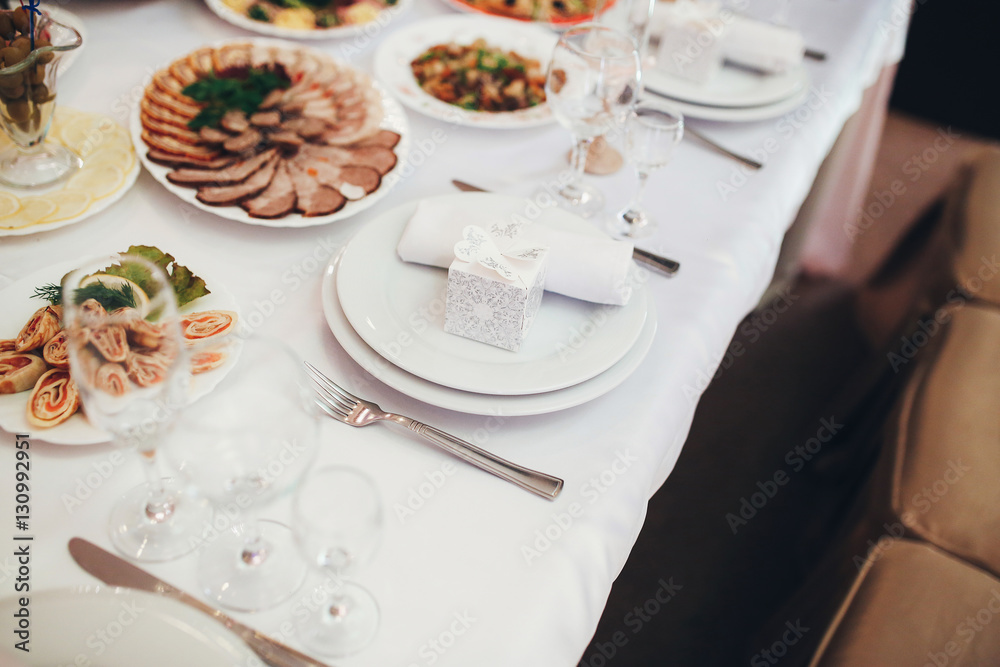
(731,87)
(467,402)
(111,153)
(230,15)
(18,306)
(466,7)
(120,627)
(395,120)
(398,309)
(744,115)
(393,58)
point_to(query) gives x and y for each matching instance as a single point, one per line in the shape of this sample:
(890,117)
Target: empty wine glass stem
(578,163)
(159,505)
(254,547)
(636,203)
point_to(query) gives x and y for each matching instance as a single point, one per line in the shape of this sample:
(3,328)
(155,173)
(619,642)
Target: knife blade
(117,571)
(658,262)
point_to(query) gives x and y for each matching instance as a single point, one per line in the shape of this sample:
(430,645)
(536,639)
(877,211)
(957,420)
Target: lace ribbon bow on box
(494,248)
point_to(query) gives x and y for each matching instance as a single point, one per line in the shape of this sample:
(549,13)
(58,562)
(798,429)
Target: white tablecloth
(481,573)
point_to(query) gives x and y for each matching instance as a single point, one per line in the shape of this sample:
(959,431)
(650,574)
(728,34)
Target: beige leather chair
(915,606)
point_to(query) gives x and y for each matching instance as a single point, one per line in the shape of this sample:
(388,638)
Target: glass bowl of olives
(28,70)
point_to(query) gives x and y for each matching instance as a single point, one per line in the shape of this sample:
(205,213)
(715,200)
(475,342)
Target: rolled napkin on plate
(762,46)
(590,268)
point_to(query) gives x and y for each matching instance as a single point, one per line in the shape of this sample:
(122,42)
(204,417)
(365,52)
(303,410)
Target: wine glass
(242,446)
(592,82)
(27,100)
(338,525)
(652,130)
(130,367)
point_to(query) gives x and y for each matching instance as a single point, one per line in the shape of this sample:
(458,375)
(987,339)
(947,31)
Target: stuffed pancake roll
(140,333)
(112,380)
(42,326)
(146,370)
(53,400)
(110,341)
(92,314)
(55,351)
(209,360)
(207,324)
(19,371)
(8,346)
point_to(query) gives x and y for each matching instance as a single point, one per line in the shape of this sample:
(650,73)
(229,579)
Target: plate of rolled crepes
(37,392)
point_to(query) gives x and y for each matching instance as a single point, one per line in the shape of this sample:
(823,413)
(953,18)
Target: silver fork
(349,409)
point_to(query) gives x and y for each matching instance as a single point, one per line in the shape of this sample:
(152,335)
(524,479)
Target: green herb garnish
(112,298)
(220,95)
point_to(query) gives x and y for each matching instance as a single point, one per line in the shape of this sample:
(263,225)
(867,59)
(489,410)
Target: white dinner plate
(398,308)
(740,115)
(463,6)
(18,306)
(731,87)
(393,58)
(226,13)
(395,120)
(119,627)
(467,402)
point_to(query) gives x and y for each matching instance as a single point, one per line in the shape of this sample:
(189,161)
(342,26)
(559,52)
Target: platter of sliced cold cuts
(270,133)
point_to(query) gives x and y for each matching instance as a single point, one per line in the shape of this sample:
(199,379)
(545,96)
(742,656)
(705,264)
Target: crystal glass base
(45,165)
(583,200)
(245,579)
(632,224)
(157,533)
(344,625)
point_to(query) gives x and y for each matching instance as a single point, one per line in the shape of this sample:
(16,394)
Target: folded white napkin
(591,268)
(763,46)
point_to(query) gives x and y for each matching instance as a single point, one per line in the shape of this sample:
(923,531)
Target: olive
(37,74)
(44,57)
(19,18)
(40,93)
(19,110)
(12,55)
(6,27)
(23,43)
(11,80)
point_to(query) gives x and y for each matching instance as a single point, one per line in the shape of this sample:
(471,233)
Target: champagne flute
(652,131)
(338,525)
(130,367)
(242,446)
(593,80)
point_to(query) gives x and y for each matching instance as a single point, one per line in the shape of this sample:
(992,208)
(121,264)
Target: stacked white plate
(389,317)
(734,93)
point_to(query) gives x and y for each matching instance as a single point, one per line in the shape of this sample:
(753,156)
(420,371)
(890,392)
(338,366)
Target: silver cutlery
(347,408)
(117,571)
(658,262)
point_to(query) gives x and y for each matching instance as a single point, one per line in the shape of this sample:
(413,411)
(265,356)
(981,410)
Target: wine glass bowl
(592,81)
(652,132)
(130,367)
(244,445)
(338,520)
(27,101)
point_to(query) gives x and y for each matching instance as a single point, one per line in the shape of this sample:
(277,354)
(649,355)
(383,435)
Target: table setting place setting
(471,302)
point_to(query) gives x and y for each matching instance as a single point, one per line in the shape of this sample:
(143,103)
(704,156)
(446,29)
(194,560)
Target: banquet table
(471,570)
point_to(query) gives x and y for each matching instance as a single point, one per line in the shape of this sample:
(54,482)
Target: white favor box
(491,304)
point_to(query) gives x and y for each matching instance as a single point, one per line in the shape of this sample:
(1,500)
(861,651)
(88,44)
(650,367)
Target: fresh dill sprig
(112,298)
(51,293)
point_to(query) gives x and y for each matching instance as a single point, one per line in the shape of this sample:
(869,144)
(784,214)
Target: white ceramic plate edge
(233,17)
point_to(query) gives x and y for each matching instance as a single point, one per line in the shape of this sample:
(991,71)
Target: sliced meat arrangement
(308,147)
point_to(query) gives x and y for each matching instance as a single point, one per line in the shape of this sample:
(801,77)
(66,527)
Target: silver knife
(116,571)
(662,264)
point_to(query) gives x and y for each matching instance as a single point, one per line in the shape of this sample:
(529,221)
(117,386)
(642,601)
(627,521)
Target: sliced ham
(378,158)
(175,146)
(273,99)
(213,135)
(266,119)
(172,160)
(163,114)
(277,200)
(352,182)
(235,121)
(184,72)
(227,195)
(285,138)
(246,141)
(161,128)
(313,198)
(307,128)
(384,138)
(186,107)
(234,173)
